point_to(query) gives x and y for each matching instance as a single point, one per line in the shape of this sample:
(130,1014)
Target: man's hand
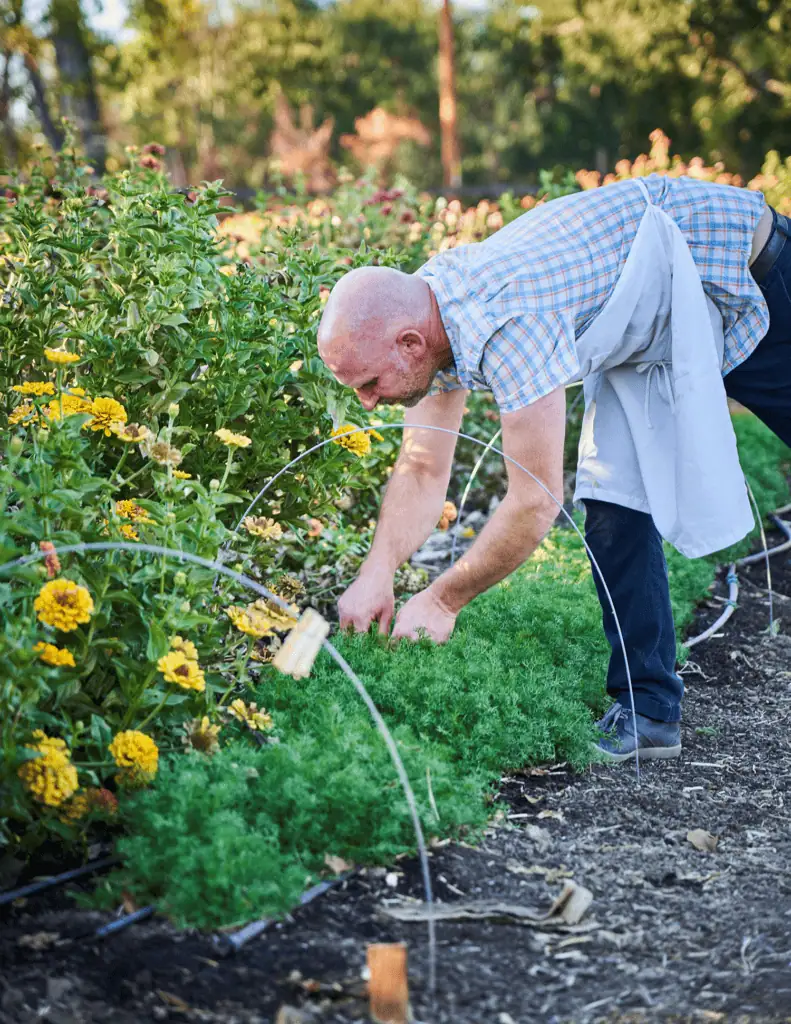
(425,612)
(369,599)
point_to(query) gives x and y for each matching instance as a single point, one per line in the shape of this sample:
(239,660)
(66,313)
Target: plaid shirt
(514,305)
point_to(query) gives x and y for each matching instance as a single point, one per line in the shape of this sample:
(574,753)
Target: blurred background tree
(567,83)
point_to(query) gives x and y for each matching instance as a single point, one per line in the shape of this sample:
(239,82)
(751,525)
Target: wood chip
(702,840)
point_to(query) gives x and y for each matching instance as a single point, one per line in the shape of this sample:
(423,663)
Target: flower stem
(227,469)
(155,712)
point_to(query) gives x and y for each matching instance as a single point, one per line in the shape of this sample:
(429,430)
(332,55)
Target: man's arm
(533,437)
(411,508)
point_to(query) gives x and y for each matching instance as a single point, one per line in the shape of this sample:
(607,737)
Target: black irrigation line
(56,880)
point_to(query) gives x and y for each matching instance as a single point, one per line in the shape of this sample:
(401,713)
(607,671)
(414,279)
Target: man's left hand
(425,612)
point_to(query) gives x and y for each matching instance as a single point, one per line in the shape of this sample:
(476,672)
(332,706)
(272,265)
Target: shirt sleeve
(528,357)
(445,381)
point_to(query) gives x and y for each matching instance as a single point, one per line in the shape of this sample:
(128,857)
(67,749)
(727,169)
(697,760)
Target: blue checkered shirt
(514,305)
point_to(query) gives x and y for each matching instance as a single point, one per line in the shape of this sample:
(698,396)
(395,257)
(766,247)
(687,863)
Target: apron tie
(659,369)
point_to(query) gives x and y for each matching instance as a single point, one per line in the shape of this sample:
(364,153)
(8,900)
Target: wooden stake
(388,987)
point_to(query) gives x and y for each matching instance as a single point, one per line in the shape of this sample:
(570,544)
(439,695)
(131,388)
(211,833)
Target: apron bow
(661,370)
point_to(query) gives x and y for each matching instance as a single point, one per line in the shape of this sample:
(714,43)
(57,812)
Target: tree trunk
(11,148)
(449,137)
(78,97)
(48,126)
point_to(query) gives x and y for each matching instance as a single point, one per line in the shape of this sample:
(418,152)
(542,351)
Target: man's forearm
(508,539)
(411,509)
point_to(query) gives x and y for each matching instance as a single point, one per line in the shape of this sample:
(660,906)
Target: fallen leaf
(337,864)
(549,874)
(557,815)
(702,840)
(565,912)
(174,1001)
(38,941)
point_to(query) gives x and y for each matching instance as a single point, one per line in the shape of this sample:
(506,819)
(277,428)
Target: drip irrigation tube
(730,608)
(227,945)
(55,880)
(120,923)
(784,528)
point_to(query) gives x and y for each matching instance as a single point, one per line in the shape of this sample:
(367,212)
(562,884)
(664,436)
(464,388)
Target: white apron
(657,434)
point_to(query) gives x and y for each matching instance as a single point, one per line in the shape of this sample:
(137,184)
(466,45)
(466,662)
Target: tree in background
(449,135)
(538,85)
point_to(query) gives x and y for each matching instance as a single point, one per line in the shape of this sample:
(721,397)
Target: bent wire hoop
(489,447)
(262,591)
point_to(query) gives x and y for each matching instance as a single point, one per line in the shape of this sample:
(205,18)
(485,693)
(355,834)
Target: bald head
(381,334)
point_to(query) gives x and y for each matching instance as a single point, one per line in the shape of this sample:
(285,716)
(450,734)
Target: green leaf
(157,642)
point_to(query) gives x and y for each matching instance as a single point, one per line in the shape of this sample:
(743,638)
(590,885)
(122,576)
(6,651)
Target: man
(651,292)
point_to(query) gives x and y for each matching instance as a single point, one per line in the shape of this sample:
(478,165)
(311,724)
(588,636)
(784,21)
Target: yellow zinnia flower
(233,440)
(202,736)
(76,809)
(262,618)
(57,355)
(179,474)
(176,667)
(51,778)
(35,387)
(136,754)
(262,527)
(253,625)
(107,413)
(68,405)
(161,452)
(258,721)
(53,655)
(127,509)
(187,647)
(358,444)
(132,433)
(22,412)
(63,604)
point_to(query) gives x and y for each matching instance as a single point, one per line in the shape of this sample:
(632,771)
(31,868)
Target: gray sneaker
(654,739)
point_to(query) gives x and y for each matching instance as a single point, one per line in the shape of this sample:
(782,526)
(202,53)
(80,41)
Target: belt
(767,257)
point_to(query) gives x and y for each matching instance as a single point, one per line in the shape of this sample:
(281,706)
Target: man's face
(392,382)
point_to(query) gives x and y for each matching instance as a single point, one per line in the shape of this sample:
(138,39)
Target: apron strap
(644,190)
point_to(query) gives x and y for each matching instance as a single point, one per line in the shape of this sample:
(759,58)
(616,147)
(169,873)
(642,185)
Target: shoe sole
(646,754)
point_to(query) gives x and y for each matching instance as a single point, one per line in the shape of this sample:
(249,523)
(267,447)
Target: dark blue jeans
(628,547)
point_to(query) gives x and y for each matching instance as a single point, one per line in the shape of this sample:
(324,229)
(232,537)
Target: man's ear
(412,343)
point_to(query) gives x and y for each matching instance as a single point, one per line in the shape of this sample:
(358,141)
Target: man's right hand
(369,599)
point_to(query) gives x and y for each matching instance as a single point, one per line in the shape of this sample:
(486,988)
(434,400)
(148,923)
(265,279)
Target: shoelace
(613,716)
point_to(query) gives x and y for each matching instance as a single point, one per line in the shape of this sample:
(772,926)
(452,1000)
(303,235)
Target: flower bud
(180,579)
(214,485)
(16,445)
(185,607)
(173,410)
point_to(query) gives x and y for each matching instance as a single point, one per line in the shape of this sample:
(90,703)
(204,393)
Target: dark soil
(680,934)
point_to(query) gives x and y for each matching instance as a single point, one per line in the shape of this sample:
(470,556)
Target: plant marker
(388,988)
(296,656)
